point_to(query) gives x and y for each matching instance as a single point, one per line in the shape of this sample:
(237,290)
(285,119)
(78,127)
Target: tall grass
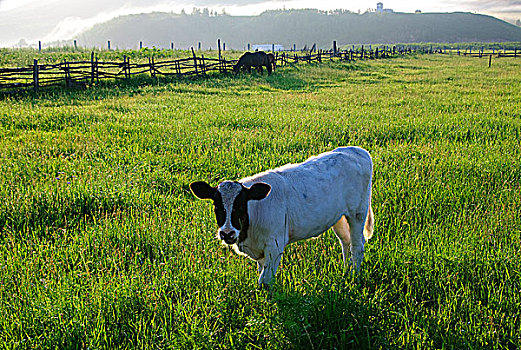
(26,56)
(103,245)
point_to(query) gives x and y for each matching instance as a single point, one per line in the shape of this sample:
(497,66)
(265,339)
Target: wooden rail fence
(486,53)
(83,73)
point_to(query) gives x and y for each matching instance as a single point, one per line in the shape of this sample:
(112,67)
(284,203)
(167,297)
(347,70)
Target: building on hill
(267,47)
(380,8)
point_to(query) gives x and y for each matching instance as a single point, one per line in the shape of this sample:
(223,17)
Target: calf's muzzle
(228,236)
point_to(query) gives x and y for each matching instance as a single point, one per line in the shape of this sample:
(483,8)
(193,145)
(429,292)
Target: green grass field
(25,57)
(104,246)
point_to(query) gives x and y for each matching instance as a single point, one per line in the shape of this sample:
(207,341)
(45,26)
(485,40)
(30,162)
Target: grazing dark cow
(253,59)
(261,214)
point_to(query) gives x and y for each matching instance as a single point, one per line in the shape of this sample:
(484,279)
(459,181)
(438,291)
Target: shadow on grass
(107,89)
(288,78)
(326,319)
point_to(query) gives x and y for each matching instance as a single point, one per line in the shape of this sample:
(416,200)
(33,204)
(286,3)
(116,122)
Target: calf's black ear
(258,191)
(202,190)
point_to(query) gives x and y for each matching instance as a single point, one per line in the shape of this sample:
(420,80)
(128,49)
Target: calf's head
(230,200)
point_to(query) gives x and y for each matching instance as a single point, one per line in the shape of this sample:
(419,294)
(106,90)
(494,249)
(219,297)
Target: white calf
(261,214)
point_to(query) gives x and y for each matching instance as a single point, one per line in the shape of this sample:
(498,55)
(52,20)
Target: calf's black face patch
(230,201)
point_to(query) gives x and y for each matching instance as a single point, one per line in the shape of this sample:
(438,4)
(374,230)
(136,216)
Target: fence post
(92,68)
(108,44)
(96,71)
(151,64)
(195,61)
(66,73)
(177,68)
(126,66)
(334,47)
(35,74)
(220,57)
(39,46)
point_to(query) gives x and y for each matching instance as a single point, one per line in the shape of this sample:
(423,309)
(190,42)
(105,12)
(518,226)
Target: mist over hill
(299,27)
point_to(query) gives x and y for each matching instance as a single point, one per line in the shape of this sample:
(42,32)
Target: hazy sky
(50,20)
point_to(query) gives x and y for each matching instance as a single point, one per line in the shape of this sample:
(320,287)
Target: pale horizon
(54,20)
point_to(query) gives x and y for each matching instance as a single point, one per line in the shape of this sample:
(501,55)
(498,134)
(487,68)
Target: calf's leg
(357,223)
(270,263)
(341,229)
(260,265)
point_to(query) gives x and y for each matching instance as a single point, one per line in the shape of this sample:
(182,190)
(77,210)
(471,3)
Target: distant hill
(299,27)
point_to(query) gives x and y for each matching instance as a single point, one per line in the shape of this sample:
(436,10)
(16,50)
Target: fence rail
(81,73)
(515,52)
(89,72)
